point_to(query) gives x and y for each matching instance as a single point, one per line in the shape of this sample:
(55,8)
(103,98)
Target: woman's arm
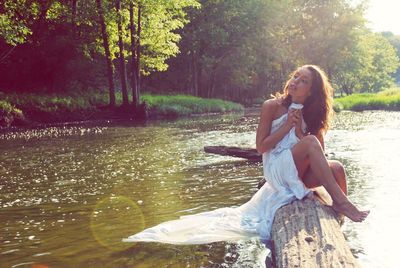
(264,140)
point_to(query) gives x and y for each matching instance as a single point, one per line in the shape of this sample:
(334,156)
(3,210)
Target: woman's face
(300,85)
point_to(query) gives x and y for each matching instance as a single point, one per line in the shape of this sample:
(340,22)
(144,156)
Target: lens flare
(114,218)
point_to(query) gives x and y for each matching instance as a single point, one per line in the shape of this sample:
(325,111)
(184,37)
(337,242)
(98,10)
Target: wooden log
(247,153)
(306,233)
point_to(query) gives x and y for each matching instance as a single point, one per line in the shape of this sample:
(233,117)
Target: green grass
(82,106)
(179,105)
(10,114)
(384,100)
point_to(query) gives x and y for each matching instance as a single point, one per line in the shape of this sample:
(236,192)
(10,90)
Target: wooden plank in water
(247,153)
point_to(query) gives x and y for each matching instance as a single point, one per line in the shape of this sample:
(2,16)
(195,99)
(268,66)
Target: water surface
(69,194)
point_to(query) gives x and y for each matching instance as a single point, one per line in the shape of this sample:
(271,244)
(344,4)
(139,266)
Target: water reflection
(68,195)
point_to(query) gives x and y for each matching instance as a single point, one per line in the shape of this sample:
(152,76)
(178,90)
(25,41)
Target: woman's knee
(302,149)
(311,141)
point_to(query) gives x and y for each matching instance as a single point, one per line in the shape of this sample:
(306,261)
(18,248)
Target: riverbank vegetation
(240,51)
(34,108)
(384,100)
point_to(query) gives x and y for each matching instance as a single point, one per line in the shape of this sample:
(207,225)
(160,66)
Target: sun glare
(383,15)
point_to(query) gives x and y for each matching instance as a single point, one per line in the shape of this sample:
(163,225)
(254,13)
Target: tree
(124,89)
(244,50)
(14,27)
(151,25)
(106,47)
(57,54)
(217,34)
(367,65)
(353,62)
(135,55)
(384,62)
(323,30)
(395,42)
(152,39)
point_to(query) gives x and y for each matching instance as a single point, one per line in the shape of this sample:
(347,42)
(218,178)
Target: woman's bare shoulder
(271,104)
(273,108)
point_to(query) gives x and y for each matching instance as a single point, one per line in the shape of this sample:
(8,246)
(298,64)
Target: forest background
(236,50)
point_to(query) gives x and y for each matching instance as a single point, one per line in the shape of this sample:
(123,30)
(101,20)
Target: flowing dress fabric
(252,219)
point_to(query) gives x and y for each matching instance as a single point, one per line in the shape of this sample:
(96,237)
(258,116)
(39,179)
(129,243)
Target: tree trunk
(199,77)
(73,13)
(40,23)
(214,69)
(211,86)
(107,52)
(138,51)
(124,89)
(306,233)
(135,95)
(194,71)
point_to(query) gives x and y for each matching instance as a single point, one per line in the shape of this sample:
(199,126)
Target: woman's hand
(294,118)
(298,129)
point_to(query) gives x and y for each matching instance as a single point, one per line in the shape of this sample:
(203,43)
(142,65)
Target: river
(68,195)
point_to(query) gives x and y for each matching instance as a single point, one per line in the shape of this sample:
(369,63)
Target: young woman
(303,155)
(290,137)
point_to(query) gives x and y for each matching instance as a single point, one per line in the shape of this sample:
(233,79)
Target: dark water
(68,195)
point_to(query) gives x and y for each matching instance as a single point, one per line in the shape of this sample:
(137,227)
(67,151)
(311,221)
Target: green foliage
(178,105)
(80,106)
(237,50)
(47,26)
(220,48)
(367,65)
(319,30)
(395,42)
(385,100)
(13,27)
(6,107)
(244,50)
(158,38)
(384,63)
(50,103)
(9,114)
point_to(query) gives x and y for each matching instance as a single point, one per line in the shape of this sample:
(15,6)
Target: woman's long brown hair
(317,110)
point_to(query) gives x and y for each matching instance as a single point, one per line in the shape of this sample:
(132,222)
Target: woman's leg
(309,151)
(340,174)
(311,180)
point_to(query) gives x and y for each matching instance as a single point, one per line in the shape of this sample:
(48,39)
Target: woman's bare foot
(350,211)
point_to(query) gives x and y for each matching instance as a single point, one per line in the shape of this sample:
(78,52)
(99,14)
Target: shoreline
(32,111)
(7,132)
(114,121)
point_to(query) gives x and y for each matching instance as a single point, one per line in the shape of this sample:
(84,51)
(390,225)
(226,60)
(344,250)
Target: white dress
(252,219)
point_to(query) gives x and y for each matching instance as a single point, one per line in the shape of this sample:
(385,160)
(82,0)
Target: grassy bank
(384,100)
(181,105)
(9,114)
(29,108)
